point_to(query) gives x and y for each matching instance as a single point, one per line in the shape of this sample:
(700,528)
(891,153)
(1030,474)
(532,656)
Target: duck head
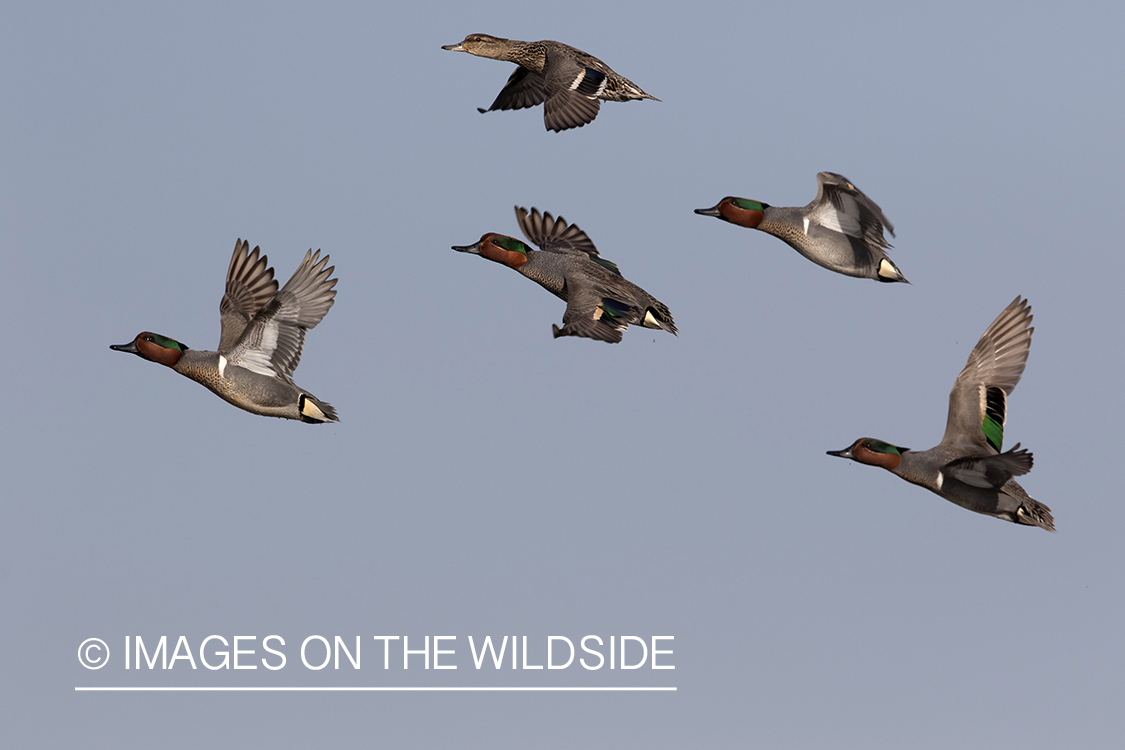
(500,248)
(873,453)
(478,44)
(740,211)
(154,348)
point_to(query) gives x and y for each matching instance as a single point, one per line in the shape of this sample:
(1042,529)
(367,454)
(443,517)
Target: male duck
(967,467)
(600,302)
(263,331)
(567,80)
(842,229)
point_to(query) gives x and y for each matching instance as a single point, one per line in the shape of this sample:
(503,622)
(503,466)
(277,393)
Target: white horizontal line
(380,689)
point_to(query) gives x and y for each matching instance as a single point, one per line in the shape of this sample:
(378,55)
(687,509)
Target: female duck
(967,467)
(841,230)
(263,331)
(566,80)
(600,302)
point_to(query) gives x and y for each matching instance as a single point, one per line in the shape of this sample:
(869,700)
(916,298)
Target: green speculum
(615,309)
(993,432)
(993,424)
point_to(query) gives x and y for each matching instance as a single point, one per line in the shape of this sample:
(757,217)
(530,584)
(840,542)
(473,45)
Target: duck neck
(914,471)
(531,55)
(788,228)
(197,365)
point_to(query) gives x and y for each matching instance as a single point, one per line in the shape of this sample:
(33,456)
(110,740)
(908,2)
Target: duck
(841,230)
(570,83)
(263,332)
(967,466)
(600,302)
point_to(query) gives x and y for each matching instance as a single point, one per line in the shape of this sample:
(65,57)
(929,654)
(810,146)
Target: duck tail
(315,411)
(1034,513)
(618,88)
(889,272)
(659,317)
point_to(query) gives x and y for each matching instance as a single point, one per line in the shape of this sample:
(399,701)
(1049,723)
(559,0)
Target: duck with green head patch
(967,467)
(568,82)
(263,332)
(601,303)
(841,230)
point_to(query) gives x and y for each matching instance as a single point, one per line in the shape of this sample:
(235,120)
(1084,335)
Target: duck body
(841,229)
(943,470)
(569,82)
(936,470)
(601,303)
(967,467)
(263,332)
(254,392)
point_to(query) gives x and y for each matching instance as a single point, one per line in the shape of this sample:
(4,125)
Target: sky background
(487,479)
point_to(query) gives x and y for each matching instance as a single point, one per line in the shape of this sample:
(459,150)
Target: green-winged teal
(263,331)
(600,302)
(967,467)
(842,229)
(566,80)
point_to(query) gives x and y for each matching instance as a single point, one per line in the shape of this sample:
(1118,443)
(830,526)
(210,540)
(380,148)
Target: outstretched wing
(272,342)
(523,89)
(979,399)
(250,285)
(556,236)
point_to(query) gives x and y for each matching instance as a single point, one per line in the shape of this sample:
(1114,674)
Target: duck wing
(990,472)
(523,89)
(590,315)
(572,91)
(272,342)
(841,206)
(978,401)
(556,236)
(250,285)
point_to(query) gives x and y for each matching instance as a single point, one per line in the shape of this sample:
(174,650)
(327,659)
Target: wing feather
(250,285)
(272,342)
(994,368)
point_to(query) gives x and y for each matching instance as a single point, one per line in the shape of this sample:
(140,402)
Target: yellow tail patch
(887,270)
(310,410)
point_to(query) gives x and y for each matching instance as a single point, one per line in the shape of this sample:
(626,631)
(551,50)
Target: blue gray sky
(486,479)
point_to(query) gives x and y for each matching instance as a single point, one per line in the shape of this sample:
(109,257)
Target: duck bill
(473,248)
(714,211)
(845,453)
(130,348)
(453,47)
